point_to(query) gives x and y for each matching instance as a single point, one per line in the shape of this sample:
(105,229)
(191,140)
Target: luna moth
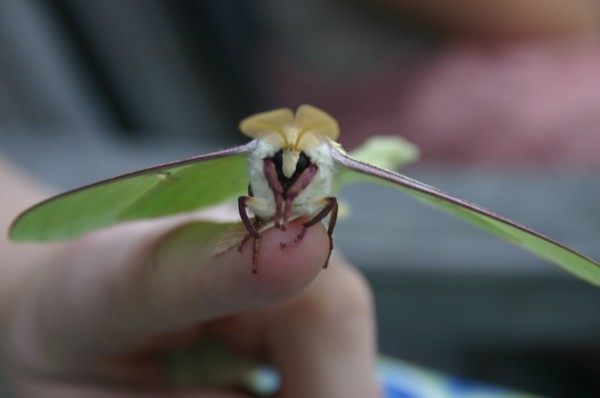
(292,168)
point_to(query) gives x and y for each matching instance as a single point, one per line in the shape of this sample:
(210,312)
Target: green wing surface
(176,187)
(540,245)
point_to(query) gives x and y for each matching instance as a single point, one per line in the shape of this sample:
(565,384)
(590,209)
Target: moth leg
(303,180)
(331,207)
(256,222)
(331,226)
(252,231)
(270,172)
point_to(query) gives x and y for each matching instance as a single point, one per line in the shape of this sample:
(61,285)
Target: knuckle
(348,299)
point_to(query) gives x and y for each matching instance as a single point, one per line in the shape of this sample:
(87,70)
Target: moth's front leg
(330,206)
(270,172)
(296,189)
(251,228)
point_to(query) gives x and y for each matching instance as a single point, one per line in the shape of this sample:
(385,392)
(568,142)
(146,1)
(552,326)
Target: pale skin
(92,317)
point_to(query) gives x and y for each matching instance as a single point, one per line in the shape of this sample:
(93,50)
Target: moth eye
(303,163)
(278,160)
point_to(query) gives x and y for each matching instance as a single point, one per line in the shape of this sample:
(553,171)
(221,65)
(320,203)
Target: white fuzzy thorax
(308,202)
(310,131)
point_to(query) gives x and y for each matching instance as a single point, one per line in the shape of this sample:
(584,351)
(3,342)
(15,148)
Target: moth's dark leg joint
(330,208)
(252,231)
(332,202)
(257,223)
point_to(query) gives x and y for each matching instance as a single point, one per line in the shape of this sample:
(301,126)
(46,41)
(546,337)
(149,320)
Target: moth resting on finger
(291,172)
(291,168)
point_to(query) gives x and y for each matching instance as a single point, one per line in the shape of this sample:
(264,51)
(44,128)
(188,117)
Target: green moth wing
(540,245)
(185,185)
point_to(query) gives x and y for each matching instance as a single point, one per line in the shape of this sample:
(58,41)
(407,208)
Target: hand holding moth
(154,277)
(102,311)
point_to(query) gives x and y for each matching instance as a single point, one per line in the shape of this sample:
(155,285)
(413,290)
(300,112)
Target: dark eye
(278,160)
(303,163)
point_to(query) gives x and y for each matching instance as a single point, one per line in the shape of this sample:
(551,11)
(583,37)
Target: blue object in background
(400,379)
(403,380)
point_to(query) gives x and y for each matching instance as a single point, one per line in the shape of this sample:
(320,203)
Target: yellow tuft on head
(304,130)
(289,162)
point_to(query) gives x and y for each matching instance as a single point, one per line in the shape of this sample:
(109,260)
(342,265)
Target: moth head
(291,133)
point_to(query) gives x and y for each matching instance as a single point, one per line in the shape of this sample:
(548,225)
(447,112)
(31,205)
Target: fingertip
(281,271)
(205,286)
(287,270)
(154,277)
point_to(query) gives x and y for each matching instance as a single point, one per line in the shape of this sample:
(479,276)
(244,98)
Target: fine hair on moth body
(291,173)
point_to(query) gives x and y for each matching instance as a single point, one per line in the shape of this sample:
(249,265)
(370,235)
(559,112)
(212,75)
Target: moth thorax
(289,166)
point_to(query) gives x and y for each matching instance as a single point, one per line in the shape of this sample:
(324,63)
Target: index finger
(119,288)
(322,341)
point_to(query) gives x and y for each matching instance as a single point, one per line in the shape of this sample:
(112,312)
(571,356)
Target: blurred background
(502,97)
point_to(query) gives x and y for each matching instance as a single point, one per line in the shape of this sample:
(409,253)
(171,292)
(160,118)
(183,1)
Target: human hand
(98,316)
